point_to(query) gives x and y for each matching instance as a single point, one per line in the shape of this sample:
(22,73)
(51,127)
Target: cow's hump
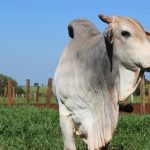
(82,28)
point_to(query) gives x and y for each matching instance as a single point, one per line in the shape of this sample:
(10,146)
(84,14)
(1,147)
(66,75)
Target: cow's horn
(106,19)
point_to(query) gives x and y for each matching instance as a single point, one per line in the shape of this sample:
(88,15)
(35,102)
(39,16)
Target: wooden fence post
(28,90)
(10,92)
(149,94)
(142,94)
(48,91)
(37,94)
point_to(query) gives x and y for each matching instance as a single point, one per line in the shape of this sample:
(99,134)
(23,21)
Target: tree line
(4,82)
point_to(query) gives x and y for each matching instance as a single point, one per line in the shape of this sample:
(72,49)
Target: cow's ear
(109,45)
(148,35)
(109,35)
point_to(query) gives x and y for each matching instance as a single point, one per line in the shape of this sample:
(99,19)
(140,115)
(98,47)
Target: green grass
(28,128)
(133,133)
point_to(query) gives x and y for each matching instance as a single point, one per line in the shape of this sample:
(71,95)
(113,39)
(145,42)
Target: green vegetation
(28,128)
(133,133)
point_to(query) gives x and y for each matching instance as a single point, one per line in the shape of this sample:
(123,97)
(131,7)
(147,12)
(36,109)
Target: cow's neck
(128,81)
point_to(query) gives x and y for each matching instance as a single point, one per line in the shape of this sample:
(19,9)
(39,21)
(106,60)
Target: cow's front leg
(67,128)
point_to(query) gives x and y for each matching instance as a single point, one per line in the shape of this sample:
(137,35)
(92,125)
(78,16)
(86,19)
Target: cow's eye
(125,34)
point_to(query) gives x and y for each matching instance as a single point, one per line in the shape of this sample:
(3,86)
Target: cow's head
(131,44)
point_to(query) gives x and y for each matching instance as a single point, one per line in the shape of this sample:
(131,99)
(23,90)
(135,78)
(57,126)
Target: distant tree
(36,84)
(4,81)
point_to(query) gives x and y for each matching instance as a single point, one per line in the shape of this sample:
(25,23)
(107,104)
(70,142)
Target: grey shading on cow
(95,72)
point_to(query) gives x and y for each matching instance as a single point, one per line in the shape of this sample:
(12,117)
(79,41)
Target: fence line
(9,93)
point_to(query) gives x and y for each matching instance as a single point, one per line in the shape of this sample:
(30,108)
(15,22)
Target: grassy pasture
(28,128)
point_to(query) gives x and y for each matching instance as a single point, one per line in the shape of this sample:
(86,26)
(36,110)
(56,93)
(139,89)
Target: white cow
(95,72)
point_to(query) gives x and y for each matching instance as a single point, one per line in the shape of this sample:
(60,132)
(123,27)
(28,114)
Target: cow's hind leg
(67,128)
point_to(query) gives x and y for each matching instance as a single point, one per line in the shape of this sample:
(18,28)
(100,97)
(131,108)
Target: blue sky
(33,33)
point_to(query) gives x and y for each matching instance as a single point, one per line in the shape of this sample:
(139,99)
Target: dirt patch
(138,109)
(50,106)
